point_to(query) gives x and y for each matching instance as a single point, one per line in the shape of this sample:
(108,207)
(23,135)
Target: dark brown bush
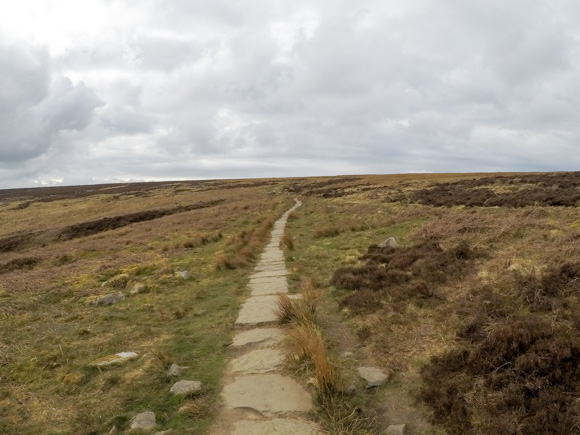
(528,376)
(111,223)
(19,263)
(550,290)
(554,189)
(414,273)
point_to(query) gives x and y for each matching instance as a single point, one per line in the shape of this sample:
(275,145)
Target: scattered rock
(174,370)
(145,420)
(118,281)
(115,359)
(388,243)
(138,288)
(110,299)
(350,390)
(186,387)
(396,429)
(182,274)
(373,376)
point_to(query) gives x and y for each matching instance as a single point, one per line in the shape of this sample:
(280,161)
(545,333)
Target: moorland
(474,314)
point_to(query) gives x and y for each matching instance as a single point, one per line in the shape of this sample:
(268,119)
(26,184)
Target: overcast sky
(110,90)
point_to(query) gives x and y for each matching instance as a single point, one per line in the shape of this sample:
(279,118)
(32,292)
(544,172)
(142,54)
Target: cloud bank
(198,89)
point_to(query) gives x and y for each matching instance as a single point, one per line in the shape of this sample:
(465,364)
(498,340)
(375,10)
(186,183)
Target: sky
(98,91)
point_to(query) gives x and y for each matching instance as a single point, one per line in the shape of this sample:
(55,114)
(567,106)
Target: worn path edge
(258,398)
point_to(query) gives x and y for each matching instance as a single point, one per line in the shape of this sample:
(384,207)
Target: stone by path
(258,399)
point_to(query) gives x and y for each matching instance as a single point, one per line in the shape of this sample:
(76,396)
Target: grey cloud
(321,87)
(34,108)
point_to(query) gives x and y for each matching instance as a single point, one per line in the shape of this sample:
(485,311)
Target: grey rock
(138,288)
(110,299)
(390,243)
(182,273)
(145,420)
(396,429)
(174,370)
(373,376)
(115,359)
(350,390)
(186,387)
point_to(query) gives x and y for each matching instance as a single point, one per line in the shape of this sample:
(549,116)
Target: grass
(484,265)
(51,334)
(454,292)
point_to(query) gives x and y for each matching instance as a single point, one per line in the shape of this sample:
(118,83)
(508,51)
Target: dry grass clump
(308,344)
(326,231)
(294,311)
(287,240)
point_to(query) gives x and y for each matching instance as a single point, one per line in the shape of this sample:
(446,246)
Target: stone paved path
(258,399)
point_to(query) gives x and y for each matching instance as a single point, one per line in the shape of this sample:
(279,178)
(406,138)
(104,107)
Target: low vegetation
(53,329)
(474,315)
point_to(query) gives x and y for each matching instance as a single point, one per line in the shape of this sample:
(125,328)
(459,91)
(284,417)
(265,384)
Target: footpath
(258,398)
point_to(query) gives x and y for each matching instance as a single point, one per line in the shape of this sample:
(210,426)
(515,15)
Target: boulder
(373,376)
(145,421)
(388,243)
(186,387)
(109,299)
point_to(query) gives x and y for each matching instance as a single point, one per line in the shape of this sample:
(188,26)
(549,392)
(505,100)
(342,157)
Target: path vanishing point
(258,399)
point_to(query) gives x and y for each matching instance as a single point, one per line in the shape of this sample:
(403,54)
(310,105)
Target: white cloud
(181,89)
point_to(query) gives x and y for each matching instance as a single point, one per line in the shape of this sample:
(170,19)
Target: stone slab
(272,256)
(258,361)
(257,310)
(268,394)
(262,336)
(277,426)
(270,273)
(261,267)
(268,287)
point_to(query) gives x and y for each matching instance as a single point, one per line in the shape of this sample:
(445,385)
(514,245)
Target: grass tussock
(287,240)
(308,345)
(311,356)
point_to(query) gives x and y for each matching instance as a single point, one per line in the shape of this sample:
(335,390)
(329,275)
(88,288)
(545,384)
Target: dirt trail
(258,399)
